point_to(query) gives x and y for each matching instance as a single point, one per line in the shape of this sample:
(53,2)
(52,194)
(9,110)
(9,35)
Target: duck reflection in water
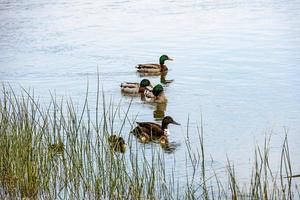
(162,75)
(159,112)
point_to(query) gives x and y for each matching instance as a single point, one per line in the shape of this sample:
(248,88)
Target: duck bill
(171,59)
(176,123)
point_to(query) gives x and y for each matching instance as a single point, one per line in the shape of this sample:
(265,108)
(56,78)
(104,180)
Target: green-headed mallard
(134,88)
(117,143)
(151,129)
(154,68)
(157,95)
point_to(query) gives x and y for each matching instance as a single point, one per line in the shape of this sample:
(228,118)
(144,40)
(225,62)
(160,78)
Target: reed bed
(58,151)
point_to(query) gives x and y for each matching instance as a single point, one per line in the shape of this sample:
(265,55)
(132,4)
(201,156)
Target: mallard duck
(151,129)
(135,88)
(154,68)
(156,95)
(117,143)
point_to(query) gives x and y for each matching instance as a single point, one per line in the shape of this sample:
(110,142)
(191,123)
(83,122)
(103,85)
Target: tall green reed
(57,151)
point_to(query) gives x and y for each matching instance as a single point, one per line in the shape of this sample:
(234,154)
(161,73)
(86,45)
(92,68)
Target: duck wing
(129,85)
(148,66)
(139,131)
(131,88)
(151,128)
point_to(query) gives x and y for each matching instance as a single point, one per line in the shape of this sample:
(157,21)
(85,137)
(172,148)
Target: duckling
(154,68)
(117,143)
(135,88)
(163,140)
(152,129)
(157,95)
(144,138)
(166,146)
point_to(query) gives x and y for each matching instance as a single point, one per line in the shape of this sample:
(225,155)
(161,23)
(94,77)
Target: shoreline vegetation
(60,152)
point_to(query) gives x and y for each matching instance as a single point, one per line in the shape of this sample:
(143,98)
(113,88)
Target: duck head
(166,121)
(157,89)
(145,83)
(163,58)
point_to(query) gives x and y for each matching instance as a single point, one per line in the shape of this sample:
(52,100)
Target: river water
(237,64)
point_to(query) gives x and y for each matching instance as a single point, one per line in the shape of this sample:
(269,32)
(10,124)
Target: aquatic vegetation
(56,148)
(83,168)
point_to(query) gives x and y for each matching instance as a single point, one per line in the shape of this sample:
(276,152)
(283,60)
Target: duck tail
(136,131)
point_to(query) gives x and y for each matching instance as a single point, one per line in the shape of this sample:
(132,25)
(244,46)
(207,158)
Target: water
(236,64)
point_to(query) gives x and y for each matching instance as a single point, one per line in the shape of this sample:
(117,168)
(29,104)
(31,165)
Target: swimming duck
(163,140)
(144,138)
(135,88)
(154,68)
(117,143)
(156,95)
(151,129)
(166,145)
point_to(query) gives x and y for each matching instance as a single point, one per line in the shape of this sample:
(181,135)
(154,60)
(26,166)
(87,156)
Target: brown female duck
(150,129)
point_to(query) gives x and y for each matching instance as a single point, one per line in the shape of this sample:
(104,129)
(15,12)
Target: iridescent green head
(157,89)
(163,58)
(145,83)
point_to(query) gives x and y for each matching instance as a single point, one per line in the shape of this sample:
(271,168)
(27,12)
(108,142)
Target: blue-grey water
(237,63)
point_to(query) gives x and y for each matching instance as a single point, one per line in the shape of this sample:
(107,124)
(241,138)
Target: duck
(164,141)
(156,95)
(154,68)
(153,130)
(135,88)
(166,145)
(144,138)
(117,143)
